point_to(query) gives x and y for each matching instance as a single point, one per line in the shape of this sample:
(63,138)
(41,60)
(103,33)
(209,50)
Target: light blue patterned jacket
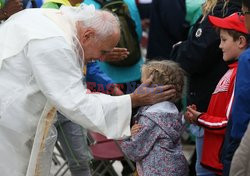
(156,148)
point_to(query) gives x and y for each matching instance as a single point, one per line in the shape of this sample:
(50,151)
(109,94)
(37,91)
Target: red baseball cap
(233,22)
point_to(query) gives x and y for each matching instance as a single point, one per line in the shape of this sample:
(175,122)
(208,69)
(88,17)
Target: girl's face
(229,47)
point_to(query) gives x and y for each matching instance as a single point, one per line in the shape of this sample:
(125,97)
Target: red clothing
(215,120)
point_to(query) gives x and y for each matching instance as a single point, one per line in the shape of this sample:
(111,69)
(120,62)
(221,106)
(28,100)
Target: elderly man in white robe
(41,61)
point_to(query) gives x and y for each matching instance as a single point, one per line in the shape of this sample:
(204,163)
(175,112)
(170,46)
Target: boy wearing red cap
(233,34)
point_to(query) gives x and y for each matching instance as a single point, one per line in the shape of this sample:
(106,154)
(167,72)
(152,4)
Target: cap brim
(218,22)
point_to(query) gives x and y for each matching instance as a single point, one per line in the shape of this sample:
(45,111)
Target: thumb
(149,80)
(190,109)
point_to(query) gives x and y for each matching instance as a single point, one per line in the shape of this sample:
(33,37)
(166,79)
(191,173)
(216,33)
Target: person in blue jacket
(240,112)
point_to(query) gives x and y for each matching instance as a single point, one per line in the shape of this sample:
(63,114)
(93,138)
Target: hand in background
(116,54)
(135,129)
(12,6)
(145,23)
(192,114)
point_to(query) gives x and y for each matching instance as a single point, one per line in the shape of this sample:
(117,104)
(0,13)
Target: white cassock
(39,69)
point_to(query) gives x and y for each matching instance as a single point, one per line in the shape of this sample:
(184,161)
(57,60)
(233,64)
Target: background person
(240,114)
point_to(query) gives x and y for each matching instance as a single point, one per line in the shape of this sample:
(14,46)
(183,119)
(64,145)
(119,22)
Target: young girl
(156,147)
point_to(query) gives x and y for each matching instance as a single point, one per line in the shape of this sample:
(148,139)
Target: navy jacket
(240,115)
(167,27)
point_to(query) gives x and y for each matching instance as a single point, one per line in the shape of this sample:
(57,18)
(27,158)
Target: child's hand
(193,106)
(135,129)
(191,114)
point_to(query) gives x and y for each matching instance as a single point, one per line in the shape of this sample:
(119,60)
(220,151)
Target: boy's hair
(166,72)
(235,34)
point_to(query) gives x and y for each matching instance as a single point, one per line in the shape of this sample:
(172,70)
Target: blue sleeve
(137,147)
(241,106)
(96,76)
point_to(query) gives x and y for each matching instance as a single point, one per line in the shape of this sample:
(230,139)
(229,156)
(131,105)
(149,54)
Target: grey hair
(103,22)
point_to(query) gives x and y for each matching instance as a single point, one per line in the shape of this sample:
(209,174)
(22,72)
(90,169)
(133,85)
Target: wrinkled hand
(135,129)
(192,114)
(146,95)
(116,54)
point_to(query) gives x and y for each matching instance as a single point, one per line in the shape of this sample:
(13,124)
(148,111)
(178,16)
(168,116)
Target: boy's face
(231,49)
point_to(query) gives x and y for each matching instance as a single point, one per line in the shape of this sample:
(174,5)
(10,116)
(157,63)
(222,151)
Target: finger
(137,127)
(191,110)
(164,96)
(118,53)
(194,106)
(166,87)
(119,49)
(148,81)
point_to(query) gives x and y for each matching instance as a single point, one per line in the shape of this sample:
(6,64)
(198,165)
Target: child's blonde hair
(166,72)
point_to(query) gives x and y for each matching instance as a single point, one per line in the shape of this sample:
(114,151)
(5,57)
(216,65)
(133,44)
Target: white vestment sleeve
(58,74)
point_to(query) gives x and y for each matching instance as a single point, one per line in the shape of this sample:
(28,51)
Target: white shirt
(46,69)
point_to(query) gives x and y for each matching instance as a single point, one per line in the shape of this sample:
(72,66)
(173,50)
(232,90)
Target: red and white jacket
(215,120)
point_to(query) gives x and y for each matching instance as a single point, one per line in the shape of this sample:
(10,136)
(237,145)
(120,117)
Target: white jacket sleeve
(58,75)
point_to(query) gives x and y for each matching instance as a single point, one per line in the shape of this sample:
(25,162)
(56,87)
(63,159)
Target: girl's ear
(242,42)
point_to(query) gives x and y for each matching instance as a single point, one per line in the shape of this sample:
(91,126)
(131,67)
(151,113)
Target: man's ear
(242,42)
(87,34)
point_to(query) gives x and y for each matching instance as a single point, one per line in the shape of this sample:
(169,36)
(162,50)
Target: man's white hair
(103,22)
